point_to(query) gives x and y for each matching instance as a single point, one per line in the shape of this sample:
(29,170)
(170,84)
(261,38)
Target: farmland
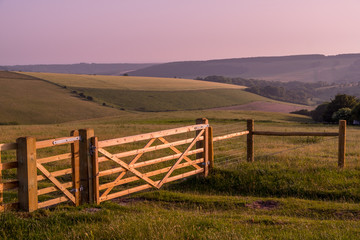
(26,100)
(154,94)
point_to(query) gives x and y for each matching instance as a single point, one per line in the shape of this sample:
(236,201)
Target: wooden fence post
(203,144)
(250,140)
(1,181)
(86,168)
(75,166)
(211,149)
(95,165)
(27,173)
(342,143)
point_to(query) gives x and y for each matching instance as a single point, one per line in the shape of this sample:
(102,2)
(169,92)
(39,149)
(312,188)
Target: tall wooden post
(211,149)
(86,168)
(27,173)
(203,144)
(95,165)
(342,143)
(250,140)
(75,165)
(1,182)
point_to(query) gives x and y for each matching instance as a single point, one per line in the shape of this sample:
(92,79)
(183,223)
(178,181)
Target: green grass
(173,215)
(38,98)
(312,198)
(155,101)
(28,100)
(153,94)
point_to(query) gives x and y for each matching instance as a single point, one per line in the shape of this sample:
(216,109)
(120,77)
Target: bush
(89,98)
(342,114)
(355,113)
(340,101)
(304,112)
(318,114)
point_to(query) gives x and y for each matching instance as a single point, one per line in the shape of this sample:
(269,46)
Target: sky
(154,31)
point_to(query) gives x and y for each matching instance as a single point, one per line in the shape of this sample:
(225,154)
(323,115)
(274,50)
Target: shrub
(304,112)
(318,114)
(342,114)
(355,113)
(340,101)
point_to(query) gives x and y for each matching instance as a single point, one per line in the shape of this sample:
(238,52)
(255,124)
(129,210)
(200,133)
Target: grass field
(26,100)
(285,194)
(129,83)
(153,94)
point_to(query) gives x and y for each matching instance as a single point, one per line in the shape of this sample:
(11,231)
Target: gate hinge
(92,149)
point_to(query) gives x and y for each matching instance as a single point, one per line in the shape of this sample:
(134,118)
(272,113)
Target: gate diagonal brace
(56,182)
(163,140)
(180,158)
(127,167)
(121,175)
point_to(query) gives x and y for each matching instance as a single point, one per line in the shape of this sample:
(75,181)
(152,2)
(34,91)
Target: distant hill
(81,68)
(305,68)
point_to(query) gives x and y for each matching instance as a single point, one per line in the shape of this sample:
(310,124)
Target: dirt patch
(348,214)
(266,107)
(267,205)
(92,210)
(127,201)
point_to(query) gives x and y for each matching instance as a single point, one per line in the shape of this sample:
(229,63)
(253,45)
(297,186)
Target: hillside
(27,100)
(153,94)
(304,68)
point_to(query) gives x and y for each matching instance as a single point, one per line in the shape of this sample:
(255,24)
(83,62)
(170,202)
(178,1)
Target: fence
(95,171)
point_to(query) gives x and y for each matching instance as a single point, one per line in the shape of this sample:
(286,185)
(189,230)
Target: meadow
(293,189)
(149,94)
(27,100)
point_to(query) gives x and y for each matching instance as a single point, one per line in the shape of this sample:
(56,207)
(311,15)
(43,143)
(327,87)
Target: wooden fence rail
(95,174)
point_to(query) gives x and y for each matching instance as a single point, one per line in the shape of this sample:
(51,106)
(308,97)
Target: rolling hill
(154,94)
(27,100)
(41,98)
(304,68)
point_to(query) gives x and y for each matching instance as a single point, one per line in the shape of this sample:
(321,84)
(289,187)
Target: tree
(318,114)
(355,113)
(342,114)
(340,101)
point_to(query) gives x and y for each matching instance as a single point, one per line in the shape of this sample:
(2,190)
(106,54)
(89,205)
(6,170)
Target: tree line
(293,91)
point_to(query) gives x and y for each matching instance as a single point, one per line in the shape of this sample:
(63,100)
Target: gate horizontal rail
(125,170)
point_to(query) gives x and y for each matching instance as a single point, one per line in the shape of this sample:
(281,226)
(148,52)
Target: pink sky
(115,31)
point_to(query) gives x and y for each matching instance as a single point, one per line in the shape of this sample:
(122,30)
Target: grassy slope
(153,94)
(26,100)
(314,199)
(129,83)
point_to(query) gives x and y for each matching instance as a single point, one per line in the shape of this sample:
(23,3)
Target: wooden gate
(151,166)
